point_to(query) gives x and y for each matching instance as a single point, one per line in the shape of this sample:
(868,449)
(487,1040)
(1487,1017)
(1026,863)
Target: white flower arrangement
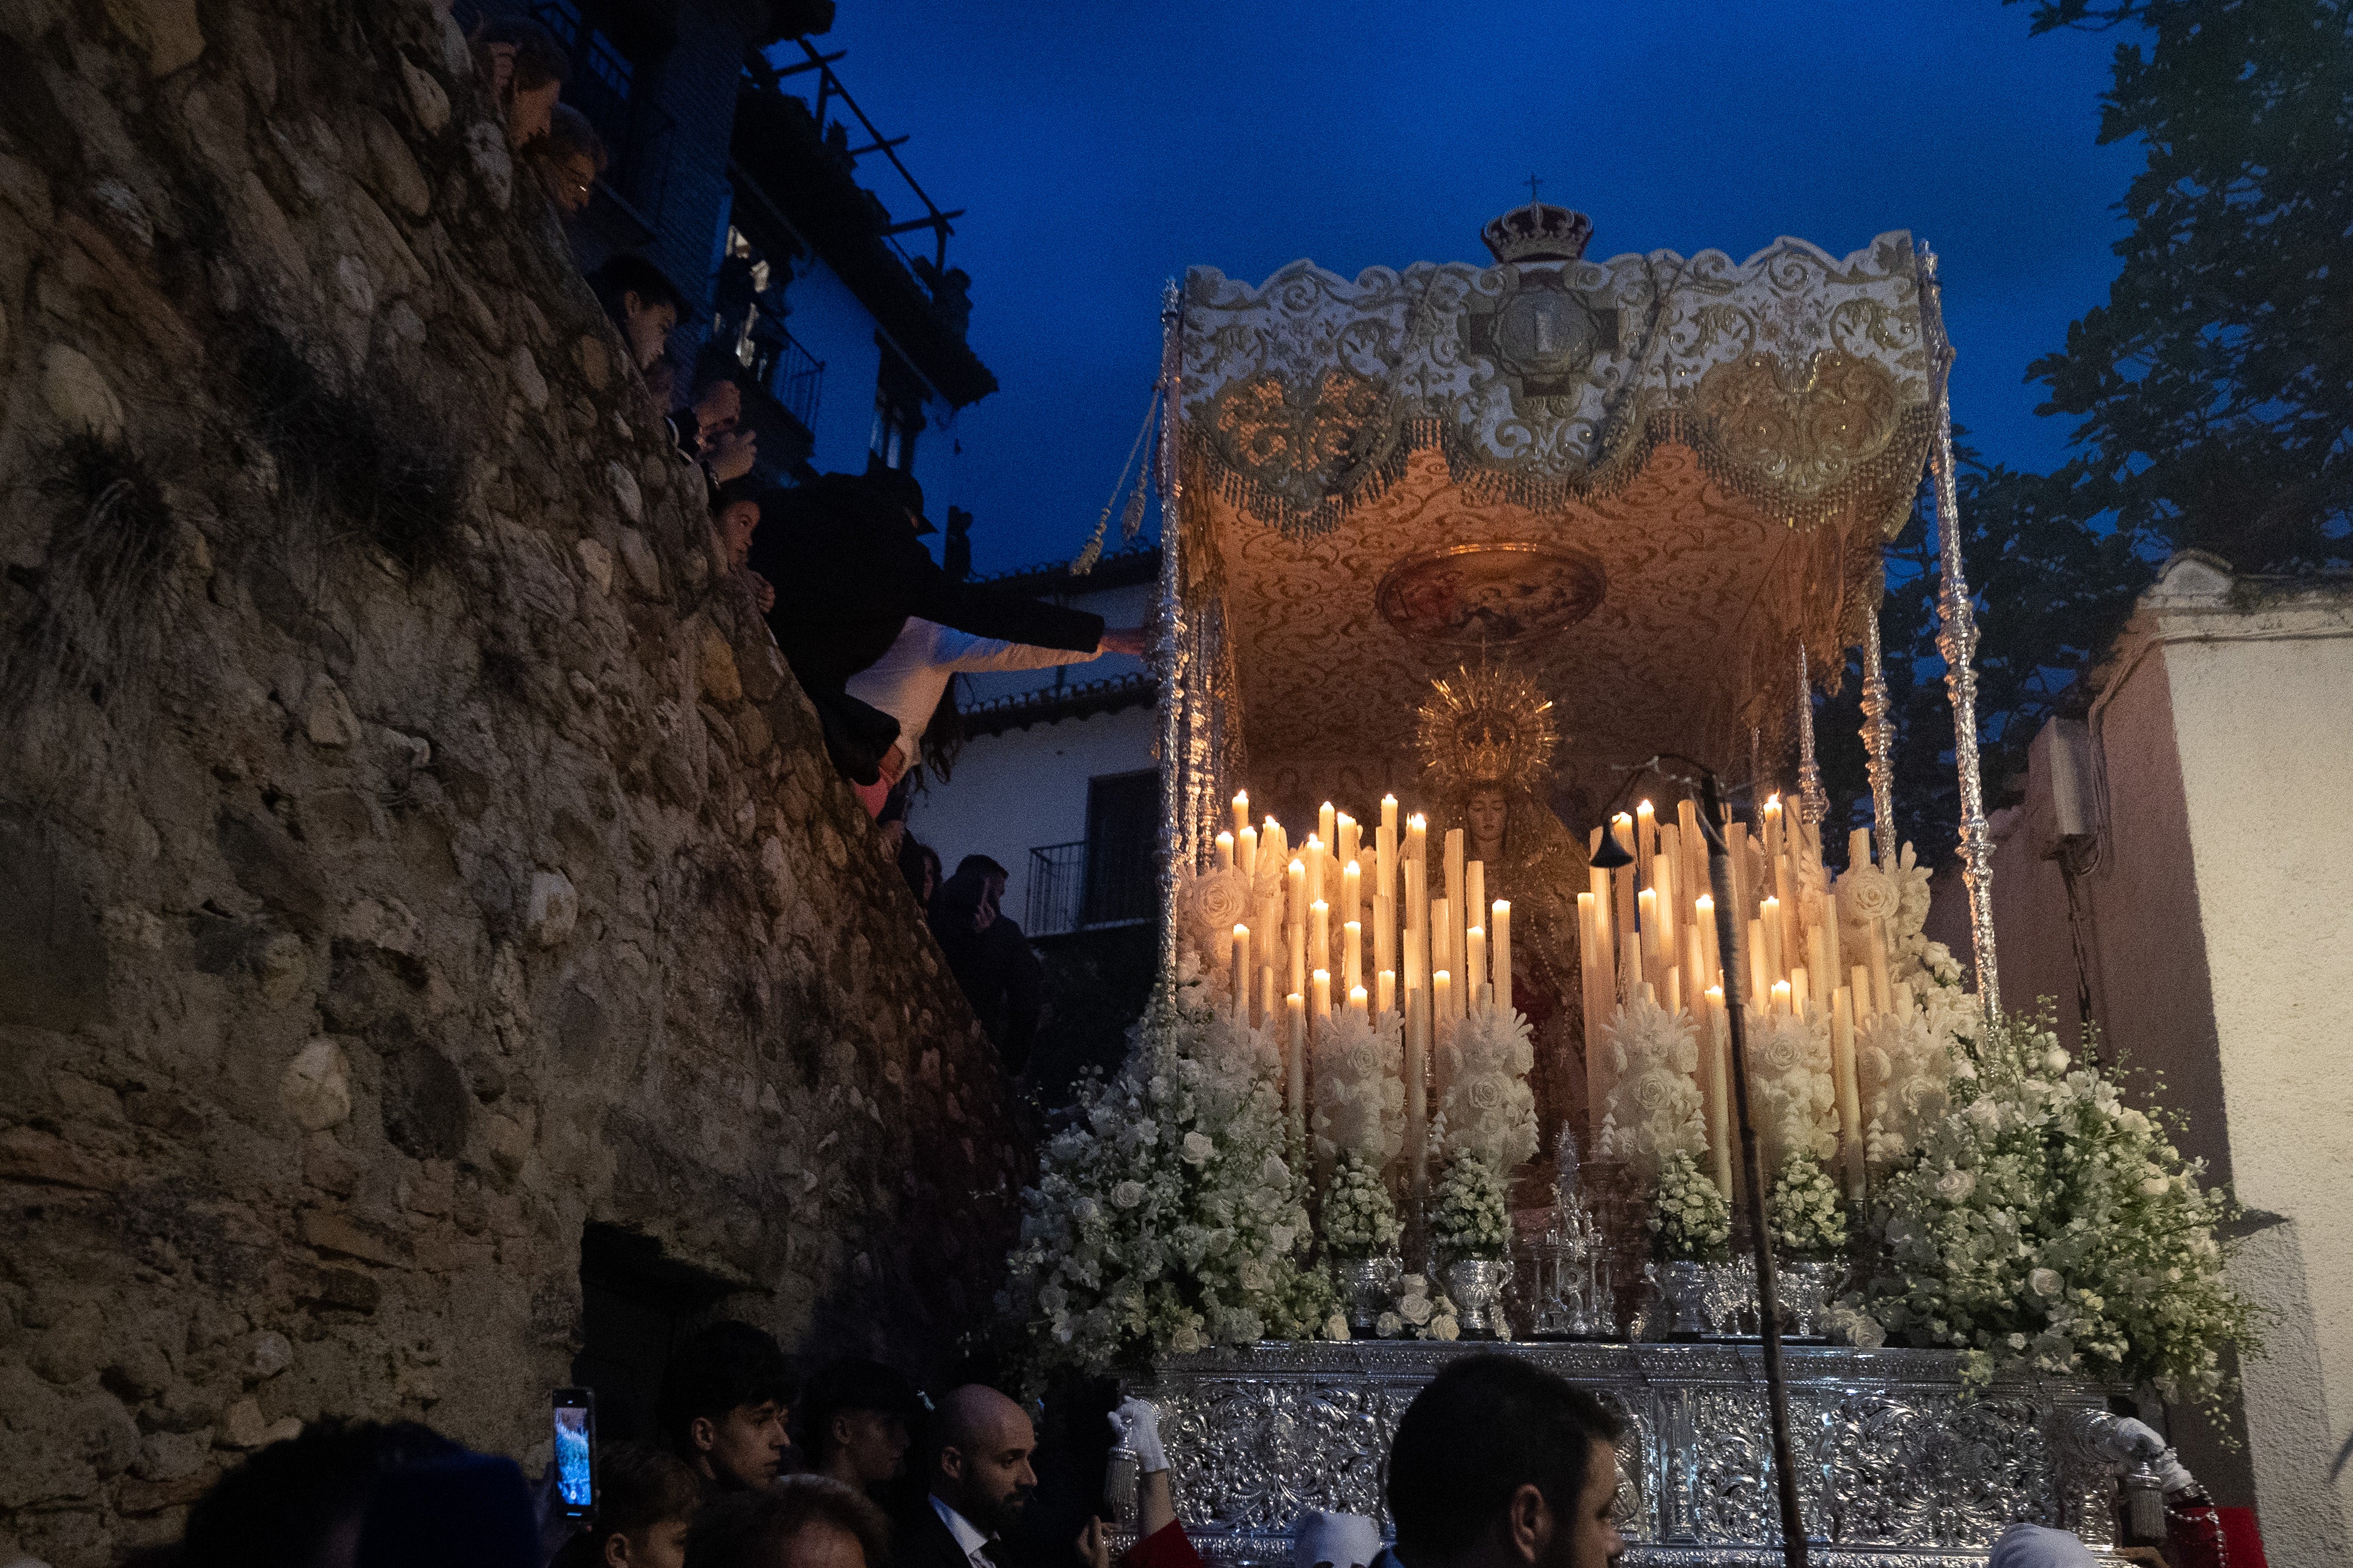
(1790,1091)
(1360,1219)
(1905,1066)
(1421,1314)
(1489,1113)
(1653,1109)
(1210,904)
(1689,1217)
(1471,1218)
(1808,1217)
(1360,1089)
(2046,1224)
(1165,1218)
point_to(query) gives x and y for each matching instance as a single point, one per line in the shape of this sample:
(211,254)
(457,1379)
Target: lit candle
(1605,960)
(1502,917)
(1327,823)
(1801,992)
(1768,914)
(1588,963)
(1454,919)
(1358,1003)
(1323,994)
(1850,1099)
(1673,999)
(1225,851)
(1882,993)
(1646,841)
(1416,923)
(1474,967)
(1713,1090)
(1704,922)
(1646,915)
(1298,924)
(1298,1067)
(1241,811)
(1441,989)
(1781,998)
(1697,977)
(1241,976)
(1384,860)
(1417,1097)
(1347,837)
(1385,954)
(1385,991)
(1352,955)
(1474,892)
(1441,956)
(1266,994)
(1314,867)
(1246,851)
(1319,935)
(1858,849)
(1390,814)
(1351,890)
(1417,838)
(1760,978)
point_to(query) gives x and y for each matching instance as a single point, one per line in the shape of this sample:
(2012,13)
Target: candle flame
(1704,902)
(1715,995)
(1241,930)
(1504,906)
(1297,865)
(1325,975)
(1780,987)
(1388,800)
(1646,806)
(1621,817)
(1226,839)
(1475,931)
(1417,822)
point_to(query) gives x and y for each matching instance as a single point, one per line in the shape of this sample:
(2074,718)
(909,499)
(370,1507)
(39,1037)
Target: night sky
(1101,149)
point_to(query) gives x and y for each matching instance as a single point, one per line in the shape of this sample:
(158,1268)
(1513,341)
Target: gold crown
(1538,232)
(1488,725)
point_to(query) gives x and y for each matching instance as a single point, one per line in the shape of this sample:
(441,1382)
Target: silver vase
(1476,1284)
(1728,1296)
(1367,1285)
(1806,1290)
(1682,1286)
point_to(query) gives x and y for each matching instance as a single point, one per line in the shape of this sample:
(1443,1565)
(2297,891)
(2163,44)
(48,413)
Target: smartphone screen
(574,1416)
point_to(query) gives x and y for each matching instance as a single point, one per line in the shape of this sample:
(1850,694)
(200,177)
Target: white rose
(1186,1341)
(1127,1194)
(2045,1282)
(1955,1185)
(1336,1327)
(1865,893)
(1388,1325)
(1445,1329)
(1865,1333)
(1415,1309)
(1198,1147)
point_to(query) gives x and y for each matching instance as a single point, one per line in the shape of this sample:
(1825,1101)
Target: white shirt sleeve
(962,651)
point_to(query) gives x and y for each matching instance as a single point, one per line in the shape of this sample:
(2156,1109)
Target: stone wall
(411,848)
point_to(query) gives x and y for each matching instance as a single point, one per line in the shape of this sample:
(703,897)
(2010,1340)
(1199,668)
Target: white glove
(1137,1422)
(2129,1442)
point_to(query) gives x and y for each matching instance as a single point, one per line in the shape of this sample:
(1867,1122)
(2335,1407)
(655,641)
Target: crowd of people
(874,629)
(1496,1464)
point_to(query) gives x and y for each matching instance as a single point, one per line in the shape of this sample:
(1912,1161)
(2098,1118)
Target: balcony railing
(1074,888)
(793,375)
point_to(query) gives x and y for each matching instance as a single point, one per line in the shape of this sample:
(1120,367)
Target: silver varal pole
(1878,742)
(1813,801)
(1956,639)
(1168,642)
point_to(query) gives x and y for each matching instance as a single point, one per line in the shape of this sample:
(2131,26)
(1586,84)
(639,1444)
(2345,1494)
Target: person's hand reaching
(1138,1421)
(1128,640)
(1094,1545)
(2129,1442)
(763,591)
(731,454)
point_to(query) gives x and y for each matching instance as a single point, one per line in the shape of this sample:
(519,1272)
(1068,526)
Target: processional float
(1637,505)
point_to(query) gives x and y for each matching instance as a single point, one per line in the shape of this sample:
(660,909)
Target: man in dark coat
(849,570)
(990,957)
(980,1481)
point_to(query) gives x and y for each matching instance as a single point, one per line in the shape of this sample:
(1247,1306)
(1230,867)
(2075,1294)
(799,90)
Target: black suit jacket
(848,570)
(921,1539)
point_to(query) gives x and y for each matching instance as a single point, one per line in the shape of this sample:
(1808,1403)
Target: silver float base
(1900,1465)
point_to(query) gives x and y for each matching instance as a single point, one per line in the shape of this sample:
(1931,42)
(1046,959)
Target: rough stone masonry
(412,847)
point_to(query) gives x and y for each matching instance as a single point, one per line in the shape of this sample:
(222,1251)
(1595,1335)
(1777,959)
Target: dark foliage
(380,461)
(109,542)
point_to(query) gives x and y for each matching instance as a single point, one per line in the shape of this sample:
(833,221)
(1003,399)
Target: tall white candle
(1441,989)
(1351,890)
(1714,1093)
(1475,894)
(1314,867)
(1241,811)
(1474,967)
(1646,842)
(1327,823)
(1385,954)
(1319,935)
(1346,838)
(1297,1065)
(1358,1003)
(1850,1099)
(1441,956)
(1858,979)
(1246,851)
(1242,974)
(1453,921)
(1323,994)
(1267,1010)
(1503,955)
(1390,814)
(1225,851)
(1385,991)
(1781,994)
(1704,922)
(1352,955)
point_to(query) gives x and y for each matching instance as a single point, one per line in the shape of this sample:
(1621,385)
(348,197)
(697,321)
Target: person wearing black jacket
(849,570)
(990,957)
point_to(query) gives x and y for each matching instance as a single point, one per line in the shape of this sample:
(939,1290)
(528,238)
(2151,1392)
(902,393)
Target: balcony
(1073,889)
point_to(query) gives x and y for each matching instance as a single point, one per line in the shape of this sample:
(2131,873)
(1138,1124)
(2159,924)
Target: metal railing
(1079,886)
(793,375)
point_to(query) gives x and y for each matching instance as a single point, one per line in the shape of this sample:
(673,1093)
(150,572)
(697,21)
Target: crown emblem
(1486,724)
(1538,232)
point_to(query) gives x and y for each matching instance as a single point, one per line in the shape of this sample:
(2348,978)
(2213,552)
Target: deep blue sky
(1103,148)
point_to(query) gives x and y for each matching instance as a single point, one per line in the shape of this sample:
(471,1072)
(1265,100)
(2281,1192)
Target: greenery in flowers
(1165,1217)
(1808,1217)
(2046,1224)
(1360,1219)
(1471,1218)
(1689,1217)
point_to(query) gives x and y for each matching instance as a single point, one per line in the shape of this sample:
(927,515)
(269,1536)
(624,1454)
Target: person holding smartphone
(645,1501)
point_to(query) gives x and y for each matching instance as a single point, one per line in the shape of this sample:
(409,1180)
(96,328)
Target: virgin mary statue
(1486,737)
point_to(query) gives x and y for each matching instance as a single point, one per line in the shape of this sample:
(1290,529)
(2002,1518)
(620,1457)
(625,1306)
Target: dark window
(1123,835)
(613,46)
(898,412)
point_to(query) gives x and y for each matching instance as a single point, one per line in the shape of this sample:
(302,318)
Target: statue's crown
(1538,232)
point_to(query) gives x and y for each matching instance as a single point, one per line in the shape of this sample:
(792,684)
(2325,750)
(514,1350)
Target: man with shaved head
(980,1481)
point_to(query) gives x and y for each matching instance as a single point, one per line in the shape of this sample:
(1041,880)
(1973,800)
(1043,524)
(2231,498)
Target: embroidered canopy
(1649,479)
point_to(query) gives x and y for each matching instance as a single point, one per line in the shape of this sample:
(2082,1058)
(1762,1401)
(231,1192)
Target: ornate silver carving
(1168,637)
(1902,1464)
(1878,740)
(1477,1284)
(1813,801)
(1956,639)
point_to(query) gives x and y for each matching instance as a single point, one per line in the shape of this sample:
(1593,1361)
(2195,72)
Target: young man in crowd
(1500,1463)
(803,1521)
(990,957)
(528,70)
(726,1396)
(980,1480)
(646,1499)
(854,1416)
(570,157)
(644,304)
(735,513)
